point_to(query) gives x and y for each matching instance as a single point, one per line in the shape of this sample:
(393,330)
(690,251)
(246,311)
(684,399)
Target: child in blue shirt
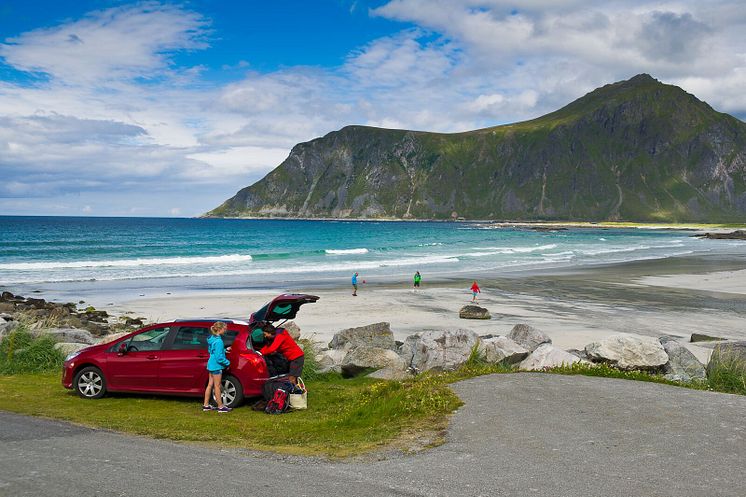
(215,366)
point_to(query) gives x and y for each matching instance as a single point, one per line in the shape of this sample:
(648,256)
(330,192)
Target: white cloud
(116,125)
(108,45)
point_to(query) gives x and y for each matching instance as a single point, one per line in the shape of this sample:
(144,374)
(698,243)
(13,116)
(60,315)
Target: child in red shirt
(475,291)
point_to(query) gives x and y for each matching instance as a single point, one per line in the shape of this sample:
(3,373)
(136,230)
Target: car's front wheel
(90,383)
(232,391)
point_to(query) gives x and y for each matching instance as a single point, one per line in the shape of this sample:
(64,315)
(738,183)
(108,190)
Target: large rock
(440,350)
(292,329)
(69,348)
(528,337)
(682,364)
(68,335)
(547,356)
(501,349)
(361,359)
(732,355)
(6,327)
(474,312)
(391,374)
(112,337)
(330,360)
(376,335)
(626,351)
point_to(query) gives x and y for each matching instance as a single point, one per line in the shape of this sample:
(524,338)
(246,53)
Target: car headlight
(73,355)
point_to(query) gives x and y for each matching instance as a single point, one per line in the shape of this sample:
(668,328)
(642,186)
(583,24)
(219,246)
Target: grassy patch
(20,352)
(347,416)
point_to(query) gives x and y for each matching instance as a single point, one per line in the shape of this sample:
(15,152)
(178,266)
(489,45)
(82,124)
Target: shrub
(21,352)
(727,372)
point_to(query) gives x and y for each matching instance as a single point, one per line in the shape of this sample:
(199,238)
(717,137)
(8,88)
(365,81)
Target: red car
(171,358)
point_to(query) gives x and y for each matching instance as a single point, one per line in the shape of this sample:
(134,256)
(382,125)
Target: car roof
(212,320)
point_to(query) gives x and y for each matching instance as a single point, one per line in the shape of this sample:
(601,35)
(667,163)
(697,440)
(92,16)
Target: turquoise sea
(86,254)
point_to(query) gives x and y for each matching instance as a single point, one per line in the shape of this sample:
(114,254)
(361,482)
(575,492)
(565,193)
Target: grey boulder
(732,355)
(528,337)
(440,350)
(330,360)
(377,335)
(360,359)
(391,374)
(547,356)
(68,335)
(474,312)
(681,362)
(69,348)
(501,349)
(6,327)
(628,352)
(292,329)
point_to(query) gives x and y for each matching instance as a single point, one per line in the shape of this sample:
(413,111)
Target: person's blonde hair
(217,327)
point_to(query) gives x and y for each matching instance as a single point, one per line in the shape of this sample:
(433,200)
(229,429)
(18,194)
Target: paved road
(517,435)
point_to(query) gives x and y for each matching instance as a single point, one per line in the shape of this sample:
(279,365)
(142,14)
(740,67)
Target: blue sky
(168,108)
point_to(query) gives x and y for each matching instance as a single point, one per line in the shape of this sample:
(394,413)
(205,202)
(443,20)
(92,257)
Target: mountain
(635,150)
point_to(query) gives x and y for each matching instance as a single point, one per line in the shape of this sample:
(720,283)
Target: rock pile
(71,328)
(360,350)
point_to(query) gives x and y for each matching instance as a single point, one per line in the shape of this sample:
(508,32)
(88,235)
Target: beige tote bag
(299,400)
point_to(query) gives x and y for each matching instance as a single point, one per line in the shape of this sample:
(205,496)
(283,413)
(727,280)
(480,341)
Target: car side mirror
(122,349)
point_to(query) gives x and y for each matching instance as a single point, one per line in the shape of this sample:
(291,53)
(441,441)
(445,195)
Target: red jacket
(285,345)
(475,288)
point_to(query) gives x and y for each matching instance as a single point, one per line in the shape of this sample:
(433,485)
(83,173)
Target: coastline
(698,227)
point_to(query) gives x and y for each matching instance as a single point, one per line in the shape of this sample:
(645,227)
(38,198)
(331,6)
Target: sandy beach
(677,297)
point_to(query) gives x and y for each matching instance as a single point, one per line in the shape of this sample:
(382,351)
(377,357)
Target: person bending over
(283,344)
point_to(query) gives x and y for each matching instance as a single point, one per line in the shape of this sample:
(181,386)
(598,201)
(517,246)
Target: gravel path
(517,435)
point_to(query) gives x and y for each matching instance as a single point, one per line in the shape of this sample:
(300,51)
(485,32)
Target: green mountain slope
(636,150)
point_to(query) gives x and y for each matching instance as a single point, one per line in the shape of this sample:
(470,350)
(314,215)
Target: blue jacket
(354,279)
(216,349)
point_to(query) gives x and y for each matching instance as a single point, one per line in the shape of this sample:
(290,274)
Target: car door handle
(151,357)
(201,356)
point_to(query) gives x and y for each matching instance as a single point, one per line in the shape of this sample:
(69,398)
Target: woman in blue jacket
(215,366)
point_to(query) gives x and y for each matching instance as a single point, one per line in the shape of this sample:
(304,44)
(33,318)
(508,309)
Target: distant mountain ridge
(635,150)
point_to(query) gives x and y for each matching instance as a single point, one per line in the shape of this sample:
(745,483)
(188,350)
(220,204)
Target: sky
(119,108)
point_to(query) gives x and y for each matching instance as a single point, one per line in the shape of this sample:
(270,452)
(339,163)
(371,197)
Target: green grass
(20,352)
(727,372)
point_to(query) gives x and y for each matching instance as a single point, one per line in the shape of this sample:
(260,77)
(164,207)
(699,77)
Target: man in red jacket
(283,344)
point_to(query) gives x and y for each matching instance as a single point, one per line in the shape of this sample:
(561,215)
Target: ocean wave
(265,270)
(346,251)
(159,261)
(515,250)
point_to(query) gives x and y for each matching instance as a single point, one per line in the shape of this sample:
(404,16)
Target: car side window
(191,337)
(229,337)
(149,340)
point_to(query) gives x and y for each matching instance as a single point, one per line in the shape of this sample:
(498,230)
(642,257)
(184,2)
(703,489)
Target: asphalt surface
(517,435)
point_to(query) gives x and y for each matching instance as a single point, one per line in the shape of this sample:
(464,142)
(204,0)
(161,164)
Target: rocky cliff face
(635,150)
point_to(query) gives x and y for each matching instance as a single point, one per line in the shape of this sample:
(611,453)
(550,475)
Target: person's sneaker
(224,409)
(208,408)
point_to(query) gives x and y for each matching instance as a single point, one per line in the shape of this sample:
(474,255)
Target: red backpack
(278,404)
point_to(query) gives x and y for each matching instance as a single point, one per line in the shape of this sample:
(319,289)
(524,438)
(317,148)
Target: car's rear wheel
(90,383)
(231,391)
